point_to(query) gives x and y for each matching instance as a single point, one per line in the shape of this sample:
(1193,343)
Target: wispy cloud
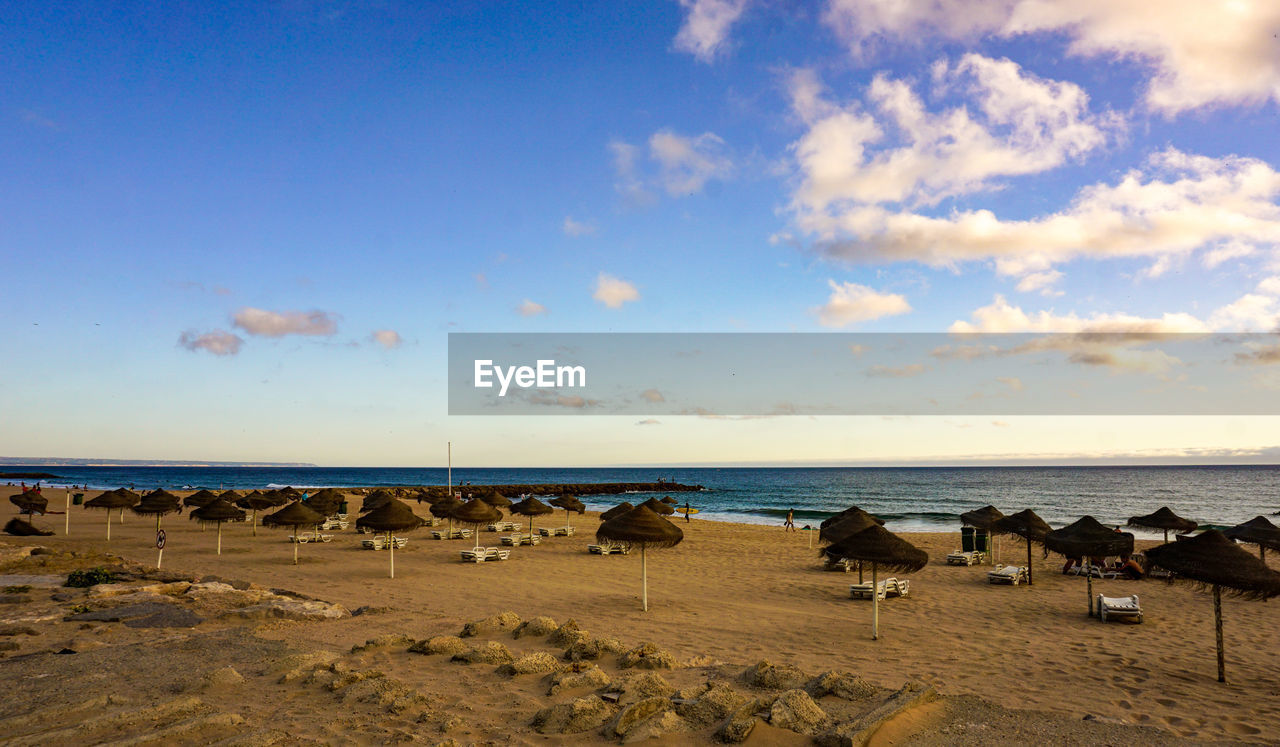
(263,323)
(898,372)
(387,338)
(705,31)
(530,308)
(575,228)
(614,292)
(218,342)
(652,395)
(37,119)
(851,303)
(679,165)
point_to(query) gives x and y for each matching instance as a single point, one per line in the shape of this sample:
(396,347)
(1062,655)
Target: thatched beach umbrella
(230,496)
(1085,538)
(880,547)
(1213,560)
(670,501)
(202,498)
(568,503)
(849,522)
(376,500)
(641,527)
(444,508)
(658,507)
(19,528)
(1166,519)
(616,511)
(1256,531)
(30,502)
(326,502)
(496,499)
(982,518)
(256,502)
(392,516)
(531,507)
(1027,525)
(850,511)
(158,503)
(110,501)
(474,513)
(289,492)
(217,512)
(296,514)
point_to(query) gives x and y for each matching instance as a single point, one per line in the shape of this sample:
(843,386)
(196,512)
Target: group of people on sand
(1128,566)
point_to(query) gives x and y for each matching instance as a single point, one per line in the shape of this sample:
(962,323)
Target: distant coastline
(72,462)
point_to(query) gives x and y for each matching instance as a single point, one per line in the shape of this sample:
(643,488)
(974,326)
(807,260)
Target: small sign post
(159,546)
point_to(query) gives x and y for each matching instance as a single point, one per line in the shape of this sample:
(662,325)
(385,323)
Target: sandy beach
(727,597)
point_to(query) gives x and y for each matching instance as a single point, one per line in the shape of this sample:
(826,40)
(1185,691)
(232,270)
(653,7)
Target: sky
(245,233)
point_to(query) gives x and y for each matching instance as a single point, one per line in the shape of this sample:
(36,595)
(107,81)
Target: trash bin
(982,540)
(77,499)
(966,539)
(342,507)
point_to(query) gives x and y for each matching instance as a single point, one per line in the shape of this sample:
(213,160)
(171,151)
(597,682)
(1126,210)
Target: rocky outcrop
(765,674)
(498,623)
(796,711)
(574,717)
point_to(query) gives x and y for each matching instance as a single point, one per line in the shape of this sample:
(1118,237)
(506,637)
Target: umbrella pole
(392,541)
(1166,536)
(1028,561)
(1217,629)
(295,544)
(875,604)
(68,513)
(122,515)
(255,522)
(1089,582)
(108,525)
(219,538)
(644,581)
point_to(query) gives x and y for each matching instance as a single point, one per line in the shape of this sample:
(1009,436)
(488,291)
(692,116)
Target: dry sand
(733,594)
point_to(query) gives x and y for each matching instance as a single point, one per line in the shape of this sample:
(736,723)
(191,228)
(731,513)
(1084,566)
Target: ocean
(910,499)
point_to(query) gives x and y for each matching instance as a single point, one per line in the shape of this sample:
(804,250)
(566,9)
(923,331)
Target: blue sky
(208,216)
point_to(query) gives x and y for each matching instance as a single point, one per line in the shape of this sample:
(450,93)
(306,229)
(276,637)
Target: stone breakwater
(511,491)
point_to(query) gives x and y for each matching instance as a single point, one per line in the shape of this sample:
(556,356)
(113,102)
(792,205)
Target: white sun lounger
(443,534)
(556,531)
(1119,607)
(377,543)
(521,539)
(889,587)
(503,526)
(332,523)
(302,539)
(1098,571)
(481,554)
(965,557)
(608,548)
(1008,574)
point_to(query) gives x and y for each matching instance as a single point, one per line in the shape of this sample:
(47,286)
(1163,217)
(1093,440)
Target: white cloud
(652,395)
(1251,311)
(1013,382)
(572,227)
(218,342)
(850,303)
(1002,317)
(614,292)
(387,338)
(1176,205)
(1270,286)
(898,372)
(530,308)
(679,165)
(1227,252)
(706,26)
(688,163)
(280,323)
(897,151)
(1040,281)
(1199,53)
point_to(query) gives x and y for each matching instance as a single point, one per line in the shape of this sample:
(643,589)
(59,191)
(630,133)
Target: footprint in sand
(1123,704)
(1238,729)
(1167,702)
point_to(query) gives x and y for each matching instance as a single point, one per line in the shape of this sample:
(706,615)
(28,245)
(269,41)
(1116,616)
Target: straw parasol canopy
(230,496)
(1165,519)
(616,511)
(296,514)
(880,547)
(289,491)
(982,518)
(670,501)
(157,504)
(20,528)
(476,512)
(1210,559)
(850,511)
(217,512)
(849,523)
(375,500)
(641,527)
(392,516)
(256,502)
(496,499)
(1027,525)
(1085,538)
(531,507)
(444,508)
(568,503)
(1256,531)
(326,502)
(202,498)
(30,502)
(658,507)
(110,501)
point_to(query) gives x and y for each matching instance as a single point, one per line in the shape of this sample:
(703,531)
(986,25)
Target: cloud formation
(530,308)
(264,323)
(680,165)
(218,342)
(575,228)
(850,303)
(705,31)
(387,338)
(1199,53)
(614,292)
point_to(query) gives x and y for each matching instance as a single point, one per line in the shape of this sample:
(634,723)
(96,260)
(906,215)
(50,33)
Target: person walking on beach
(686,510)
(790,523)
